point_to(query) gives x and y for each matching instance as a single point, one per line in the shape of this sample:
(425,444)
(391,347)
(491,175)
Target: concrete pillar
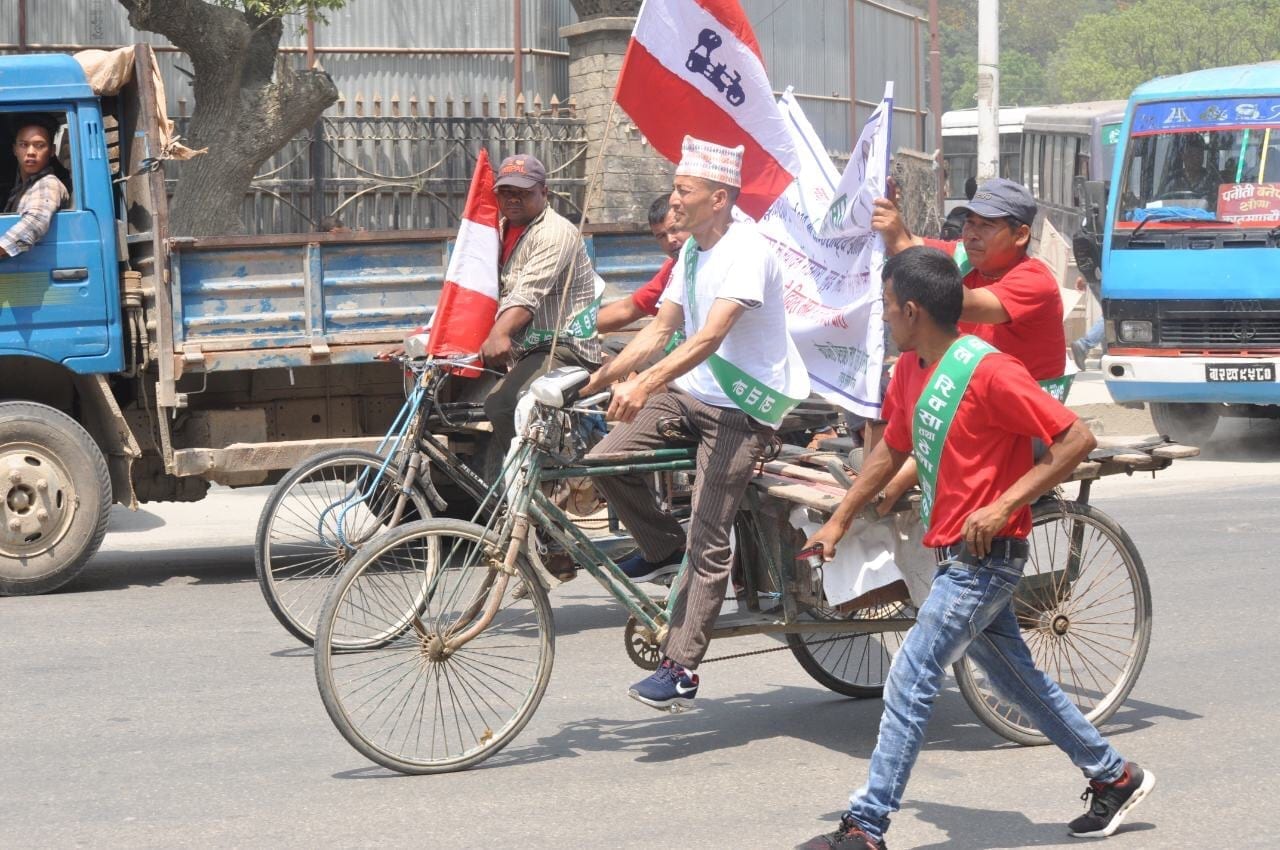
(633,172)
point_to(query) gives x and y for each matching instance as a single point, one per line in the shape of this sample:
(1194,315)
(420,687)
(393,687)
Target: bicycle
(326,507)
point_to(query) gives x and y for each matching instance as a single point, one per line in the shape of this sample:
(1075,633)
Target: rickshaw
(435,640)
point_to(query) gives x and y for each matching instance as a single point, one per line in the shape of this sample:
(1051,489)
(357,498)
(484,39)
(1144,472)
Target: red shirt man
(1011,300)
(644,301)
(1029,293)
(986,479)
(988,447)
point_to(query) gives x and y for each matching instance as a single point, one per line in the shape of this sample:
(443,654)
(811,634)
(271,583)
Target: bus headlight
(1135,332)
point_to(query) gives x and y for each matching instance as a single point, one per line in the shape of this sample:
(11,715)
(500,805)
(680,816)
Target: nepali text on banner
(834,309)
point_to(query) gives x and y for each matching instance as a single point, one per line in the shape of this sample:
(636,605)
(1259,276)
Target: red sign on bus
(1249,202)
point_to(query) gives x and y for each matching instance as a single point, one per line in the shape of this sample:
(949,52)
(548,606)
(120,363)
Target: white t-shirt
(740,267)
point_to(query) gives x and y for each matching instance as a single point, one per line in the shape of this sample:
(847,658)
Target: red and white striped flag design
(694,67)
(469,300)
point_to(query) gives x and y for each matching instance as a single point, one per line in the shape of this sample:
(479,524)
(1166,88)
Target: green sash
(936,409)
(753,397)
(581,326)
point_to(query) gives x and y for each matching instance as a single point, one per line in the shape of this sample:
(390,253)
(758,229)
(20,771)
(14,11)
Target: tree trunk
(246,108)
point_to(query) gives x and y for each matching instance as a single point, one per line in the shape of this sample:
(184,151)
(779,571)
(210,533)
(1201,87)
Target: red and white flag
(694,67)
(468,302)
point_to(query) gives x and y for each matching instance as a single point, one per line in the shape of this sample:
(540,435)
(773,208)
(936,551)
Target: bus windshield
(1215,160)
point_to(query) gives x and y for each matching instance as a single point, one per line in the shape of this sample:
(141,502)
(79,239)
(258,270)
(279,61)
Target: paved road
(156,703)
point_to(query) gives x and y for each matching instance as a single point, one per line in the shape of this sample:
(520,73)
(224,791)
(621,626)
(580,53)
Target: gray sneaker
(1079,353)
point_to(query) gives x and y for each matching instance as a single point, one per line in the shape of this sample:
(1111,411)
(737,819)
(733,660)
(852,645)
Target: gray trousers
(729,443)
(500,406)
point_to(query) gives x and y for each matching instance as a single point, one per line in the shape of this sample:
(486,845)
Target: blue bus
(1191,270)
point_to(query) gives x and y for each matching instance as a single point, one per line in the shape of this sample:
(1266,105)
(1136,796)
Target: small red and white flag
(468,302)
(693,67)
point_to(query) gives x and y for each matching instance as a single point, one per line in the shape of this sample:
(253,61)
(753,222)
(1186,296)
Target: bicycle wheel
(855,665)
(407,701)
(298,550)
(1084,606)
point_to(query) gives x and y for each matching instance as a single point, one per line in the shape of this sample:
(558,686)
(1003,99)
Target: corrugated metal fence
(424,48)
(384,163)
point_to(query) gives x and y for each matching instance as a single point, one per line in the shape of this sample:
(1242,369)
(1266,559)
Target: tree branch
(192,25)
(287,106)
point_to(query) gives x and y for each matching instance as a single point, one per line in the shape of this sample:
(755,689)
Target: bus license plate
(1240,372)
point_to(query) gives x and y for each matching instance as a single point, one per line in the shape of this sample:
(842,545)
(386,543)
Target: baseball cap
(1000,198)
(522,171)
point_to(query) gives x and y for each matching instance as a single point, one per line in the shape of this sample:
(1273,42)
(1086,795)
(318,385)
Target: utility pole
(988,89)
(935,94)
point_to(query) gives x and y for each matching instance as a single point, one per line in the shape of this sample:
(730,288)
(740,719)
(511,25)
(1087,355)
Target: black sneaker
(849,836)
(638,569)
(1112,801)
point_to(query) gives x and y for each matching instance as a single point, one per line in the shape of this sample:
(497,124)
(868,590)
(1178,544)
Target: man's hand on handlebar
(394,353)
(497,350)
(628,397)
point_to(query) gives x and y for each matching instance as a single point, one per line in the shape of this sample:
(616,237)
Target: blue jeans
(969,610)
(1093,336)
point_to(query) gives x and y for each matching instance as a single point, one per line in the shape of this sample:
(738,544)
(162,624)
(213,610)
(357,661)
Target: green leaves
(265,9)
(1107,56)
(1057,52)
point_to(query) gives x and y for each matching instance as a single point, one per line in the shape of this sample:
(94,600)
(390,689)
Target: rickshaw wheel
(1084,609)
(642,646)
(409,698)
(855,665)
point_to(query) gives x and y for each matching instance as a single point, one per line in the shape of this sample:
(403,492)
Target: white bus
(1061,143)
(960,148)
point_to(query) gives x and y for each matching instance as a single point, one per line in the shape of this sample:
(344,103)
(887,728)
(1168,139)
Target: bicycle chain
(772,649)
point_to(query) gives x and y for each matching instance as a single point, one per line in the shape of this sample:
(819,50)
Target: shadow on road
(992,829)
(837,723)
(116,570)
(125,521)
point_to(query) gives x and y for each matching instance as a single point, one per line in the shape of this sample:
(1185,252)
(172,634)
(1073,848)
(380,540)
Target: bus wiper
(1175,220)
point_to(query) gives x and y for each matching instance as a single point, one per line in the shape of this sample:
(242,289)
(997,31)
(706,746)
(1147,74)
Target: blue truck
(138,365)
(1191,250)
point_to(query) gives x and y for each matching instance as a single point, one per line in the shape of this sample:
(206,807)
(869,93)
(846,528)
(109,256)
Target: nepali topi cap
(522,171)
(710,162)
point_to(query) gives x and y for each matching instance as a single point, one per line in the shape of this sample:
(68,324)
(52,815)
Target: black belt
(1005,548)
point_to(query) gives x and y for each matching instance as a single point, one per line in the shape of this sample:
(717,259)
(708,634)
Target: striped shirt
(549,257)
(39,201)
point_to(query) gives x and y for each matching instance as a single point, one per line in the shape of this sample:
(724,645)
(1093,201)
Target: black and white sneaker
(669,688)
(1112,802)
(638,569)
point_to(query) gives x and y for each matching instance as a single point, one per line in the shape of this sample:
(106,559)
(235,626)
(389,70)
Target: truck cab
(1191,250)
(59,301)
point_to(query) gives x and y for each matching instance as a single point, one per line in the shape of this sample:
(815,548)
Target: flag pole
(588,197)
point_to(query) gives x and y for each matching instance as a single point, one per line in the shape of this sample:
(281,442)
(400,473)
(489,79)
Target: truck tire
(56,498)
(1189,424)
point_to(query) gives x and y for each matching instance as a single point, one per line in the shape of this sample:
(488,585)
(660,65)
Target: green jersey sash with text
(936,410)
(752,396)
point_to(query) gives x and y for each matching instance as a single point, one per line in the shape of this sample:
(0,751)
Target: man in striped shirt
(546,294)
(38,192)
